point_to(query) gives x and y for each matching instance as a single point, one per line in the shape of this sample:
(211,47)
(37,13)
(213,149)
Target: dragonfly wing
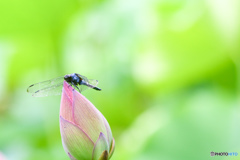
(93,82)
(49,91)
(82,88)
(45,84)
(83,77)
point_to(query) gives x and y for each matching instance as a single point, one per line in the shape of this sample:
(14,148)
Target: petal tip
(100,146)
(104,155)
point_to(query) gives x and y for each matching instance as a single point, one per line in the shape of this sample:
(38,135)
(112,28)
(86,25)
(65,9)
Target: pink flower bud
(86,134)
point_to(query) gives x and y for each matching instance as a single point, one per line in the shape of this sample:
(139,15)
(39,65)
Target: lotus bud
(86,134)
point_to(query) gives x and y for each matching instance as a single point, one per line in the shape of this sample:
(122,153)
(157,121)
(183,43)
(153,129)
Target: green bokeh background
(169,72)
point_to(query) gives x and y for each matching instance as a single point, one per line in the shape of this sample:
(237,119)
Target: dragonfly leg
(75,86)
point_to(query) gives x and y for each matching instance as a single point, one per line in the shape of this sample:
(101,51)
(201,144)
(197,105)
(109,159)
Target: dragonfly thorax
(73,78)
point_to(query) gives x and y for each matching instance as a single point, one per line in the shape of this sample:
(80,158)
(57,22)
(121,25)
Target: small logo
(212,153)
(223,154)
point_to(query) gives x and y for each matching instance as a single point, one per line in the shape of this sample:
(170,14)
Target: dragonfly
(54,86)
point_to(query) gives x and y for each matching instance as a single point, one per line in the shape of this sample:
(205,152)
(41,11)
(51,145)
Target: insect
(54,86)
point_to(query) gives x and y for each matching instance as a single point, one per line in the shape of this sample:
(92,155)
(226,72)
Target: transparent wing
(83,77)
(49,91)
(45,84)
(82,88)
(91,83)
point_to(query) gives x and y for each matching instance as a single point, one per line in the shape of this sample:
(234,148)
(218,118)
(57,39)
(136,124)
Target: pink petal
(75,141)
(100,146)
(108,129)
(71,157)
(87,117)
(66,108)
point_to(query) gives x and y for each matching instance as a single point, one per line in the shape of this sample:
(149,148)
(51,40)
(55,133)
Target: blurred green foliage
(169,70)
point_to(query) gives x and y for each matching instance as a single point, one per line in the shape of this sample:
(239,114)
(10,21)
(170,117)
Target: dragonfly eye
(67,78)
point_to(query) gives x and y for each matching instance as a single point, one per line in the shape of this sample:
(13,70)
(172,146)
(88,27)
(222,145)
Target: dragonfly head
(67,78)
